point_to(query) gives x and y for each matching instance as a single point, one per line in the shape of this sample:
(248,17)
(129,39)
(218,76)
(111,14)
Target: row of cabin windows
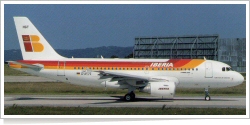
(100,68)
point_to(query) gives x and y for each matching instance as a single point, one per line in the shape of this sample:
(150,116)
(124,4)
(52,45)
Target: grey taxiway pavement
(114,101)
(105,101)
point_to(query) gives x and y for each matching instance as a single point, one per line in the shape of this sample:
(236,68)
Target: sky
(87,26)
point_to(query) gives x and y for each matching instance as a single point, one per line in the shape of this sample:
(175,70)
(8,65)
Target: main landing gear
(207,96)
(129,96)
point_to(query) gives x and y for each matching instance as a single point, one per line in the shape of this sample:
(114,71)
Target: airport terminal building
(231,51)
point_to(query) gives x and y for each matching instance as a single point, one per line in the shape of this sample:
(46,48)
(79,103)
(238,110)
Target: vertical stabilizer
(33,45)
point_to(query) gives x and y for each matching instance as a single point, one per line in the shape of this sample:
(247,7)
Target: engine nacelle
(162,89)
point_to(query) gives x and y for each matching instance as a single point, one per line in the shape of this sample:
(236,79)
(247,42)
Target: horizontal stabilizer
(32,66)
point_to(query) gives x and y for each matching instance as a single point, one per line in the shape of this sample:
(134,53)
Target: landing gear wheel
(130,96)
(127,97)
(207,98)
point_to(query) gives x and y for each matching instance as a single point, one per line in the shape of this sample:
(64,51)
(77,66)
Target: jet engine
(162,89)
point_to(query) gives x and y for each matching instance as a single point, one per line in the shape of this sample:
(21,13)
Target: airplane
(159,77)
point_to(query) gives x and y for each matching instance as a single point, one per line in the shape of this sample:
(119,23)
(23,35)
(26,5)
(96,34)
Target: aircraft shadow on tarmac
(171,100)
(117,98)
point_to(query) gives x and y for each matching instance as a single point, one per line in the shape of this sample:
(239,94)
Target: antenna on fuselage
(205,58)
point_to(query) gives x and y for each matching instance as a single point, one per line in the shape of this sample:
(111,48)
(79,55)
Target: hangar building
(231,51)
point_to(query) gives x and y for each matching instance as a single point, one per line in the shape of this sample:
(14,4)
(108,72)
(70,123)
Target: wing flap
(138,78)
(118,74)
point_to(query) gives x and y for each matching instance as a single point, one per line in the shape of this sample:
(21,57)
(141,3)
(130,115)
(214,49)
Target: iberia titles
(162,65)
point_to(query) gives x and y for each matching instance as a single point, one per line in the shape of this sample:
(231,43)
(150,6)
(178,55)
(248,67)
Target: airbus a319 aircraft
(159,77)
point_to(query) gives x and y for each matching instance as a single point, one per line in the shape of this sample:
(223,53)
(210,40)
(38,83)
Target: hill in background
(106,52)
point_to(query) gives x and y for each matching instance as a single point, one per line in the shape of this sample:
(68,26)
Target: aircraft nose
(239,78)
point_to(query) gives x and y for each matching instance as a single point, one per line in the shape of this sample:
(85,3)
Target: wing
(133,80)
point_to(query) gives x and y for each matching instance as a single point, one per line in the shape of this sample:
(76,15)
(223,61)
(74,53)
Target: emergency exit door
(209,70)
(61,68)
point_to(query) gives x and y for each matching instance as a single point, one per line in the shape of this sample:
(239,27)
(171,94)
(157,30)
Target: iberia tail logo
(32,43)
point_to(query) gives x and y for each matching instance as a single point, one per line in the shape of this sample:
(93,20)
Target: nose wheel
(129,96)
(207,96)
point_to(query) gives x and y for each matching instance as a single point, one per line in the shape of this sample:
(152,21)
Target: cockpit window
(223,68)
(228,68)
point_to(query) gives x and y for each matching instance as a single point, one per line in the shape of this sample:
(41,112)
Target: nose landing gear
(207,96)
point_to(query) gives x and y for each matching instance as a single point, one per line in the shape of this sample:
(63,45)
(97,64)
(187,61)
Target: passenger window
(223,68)
(196,69)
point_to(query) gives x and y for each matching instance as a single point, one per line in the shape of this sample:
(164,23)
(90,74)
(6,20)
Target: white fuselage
(208,74)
